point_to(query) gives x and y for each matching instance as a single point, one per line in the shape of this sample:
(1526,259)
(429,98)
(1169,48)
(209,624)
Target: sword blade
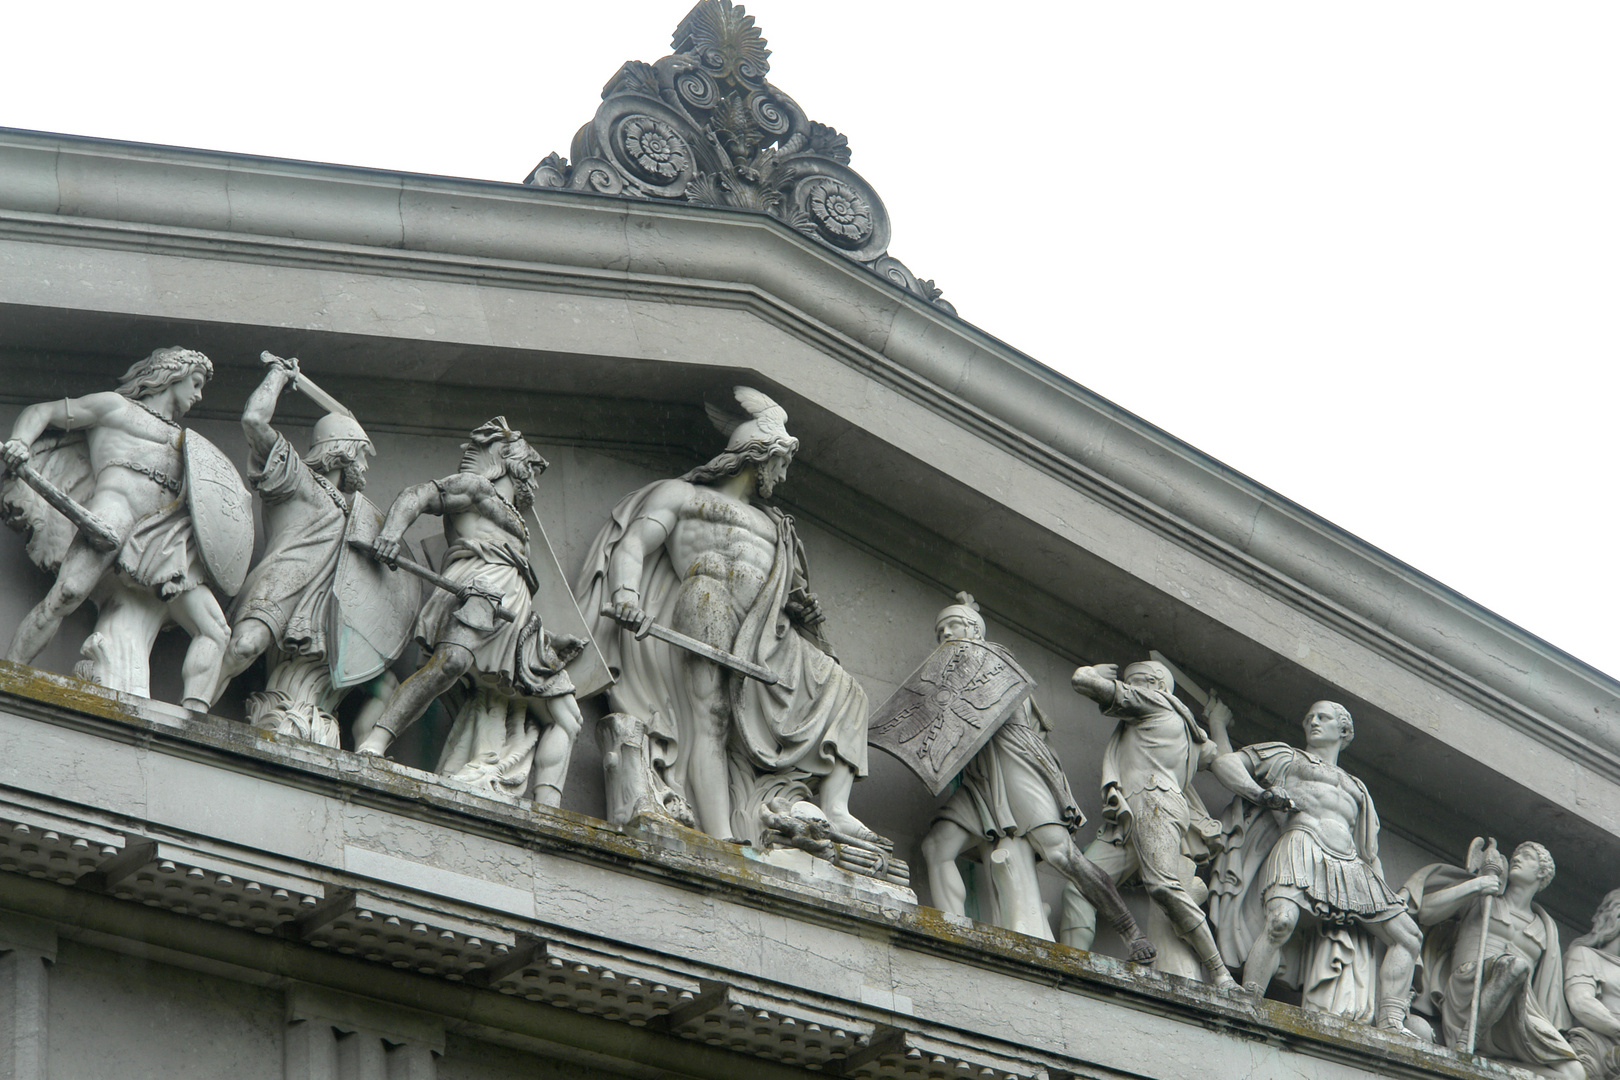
(436,580)
(709,652)
(1182,681)
(310,389)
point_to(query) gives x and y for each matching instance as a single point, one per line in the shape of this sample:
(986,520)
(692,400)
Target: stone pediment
(705,126)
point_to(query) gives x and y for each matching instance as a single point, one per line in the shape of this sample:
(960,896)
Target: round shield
(221,512)
(373,609)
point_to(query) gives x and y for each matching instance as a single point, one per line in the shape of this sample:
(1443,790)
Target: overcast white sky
(1366,253)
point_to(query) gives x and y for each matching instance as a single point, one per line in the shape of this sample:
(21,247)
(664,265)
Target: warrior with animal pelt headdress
(132,512)
(700,556)
(482,625)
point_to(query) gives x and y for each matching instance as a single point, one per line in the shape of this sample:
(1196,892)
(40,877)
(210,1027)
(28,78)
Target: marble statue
(1012,791)
(1302,847)
(508,675)
(291,604)
(1154,823)
(1592,992)
(134,513)
(701,559)
(1492,965)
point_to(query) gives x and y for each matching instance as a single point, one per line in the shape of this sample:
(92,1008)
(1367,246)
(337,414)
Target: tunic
(305,518)
(1014,784)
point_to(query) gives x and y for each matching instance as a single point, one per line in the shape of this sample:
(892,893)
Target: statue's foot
(375,744)
(1223,983)
(196,705)
(548,795)
(850,825)
(1143,951)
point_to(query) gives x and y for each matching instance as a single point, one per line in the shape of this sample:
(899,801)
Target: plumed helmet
(765,426)
(335,427)
(965,608)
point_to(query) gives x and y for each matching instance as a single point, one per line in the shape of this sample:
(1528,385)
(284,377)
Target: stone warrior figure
(1592,991)
(516,666)
(285,605)
(125,476)
(1154,823)
(1320,862)
(1521,1007)
(1013,791)
(698,555)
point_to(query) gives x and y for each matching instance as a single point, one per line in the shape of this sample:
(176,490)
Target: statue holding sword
(699,559)
(329,618)
(482,625)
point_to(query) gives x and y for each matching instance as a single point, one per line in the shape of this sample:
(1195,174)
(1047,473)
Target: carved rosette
(704,126)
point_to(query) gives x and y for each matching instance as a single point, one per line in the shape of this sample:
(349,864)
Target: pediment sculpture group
(728,711)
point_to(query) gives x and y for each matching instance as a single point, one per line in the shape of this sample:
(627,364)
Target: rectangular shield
(949,708)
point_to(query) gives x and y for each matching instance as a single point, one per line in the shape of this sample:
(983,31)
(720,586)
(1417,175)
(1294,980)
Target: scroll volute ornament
(704,126)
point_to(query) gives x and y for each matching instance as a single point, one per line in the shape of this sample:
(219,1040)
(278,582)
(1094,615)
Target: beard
(522,491)
(352,478)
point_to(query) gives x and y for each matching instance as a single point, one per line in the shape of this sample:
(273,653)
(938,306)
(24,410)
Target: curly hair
(163,369)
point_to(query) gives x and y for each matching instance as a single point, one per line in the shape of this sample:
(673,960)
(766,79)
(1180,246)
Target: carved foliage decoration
(703,125)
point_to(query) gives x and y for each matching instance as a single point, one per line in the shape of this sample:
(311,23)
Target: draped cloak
(1528,1029)
(290,588)
(813,718)
(1334,963)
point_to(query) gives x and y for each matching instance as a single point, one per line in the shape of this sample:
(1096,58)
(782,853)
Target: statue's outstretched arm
(69,414)
(260,407)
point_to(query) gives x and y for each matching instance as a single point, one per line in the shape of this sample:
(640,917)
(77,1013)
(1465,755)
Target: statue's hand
(1274,798)
(1218,713)
(1488,884)
(628,614)
(15,452)
(286,367)
(386,548)
(806,610)
(1082,675)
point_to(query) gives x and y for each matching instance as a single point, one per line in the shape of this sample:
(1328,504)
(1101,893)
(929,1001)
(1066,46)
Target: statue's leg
(835,790)
(708,782)
(556,747)
(377,693)
(1403,943)
(199,613)
(704,610)
(249,639)
(946,840)
(1158,820)
(1078,926)
(82,568)
(1265,955)
(1054,844)
(1505,977)
(450,661)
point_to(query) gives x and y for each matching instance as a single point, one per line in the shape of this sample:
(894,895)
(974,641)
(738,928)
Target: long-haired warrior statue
(483,624)
(701,556)
(137,514)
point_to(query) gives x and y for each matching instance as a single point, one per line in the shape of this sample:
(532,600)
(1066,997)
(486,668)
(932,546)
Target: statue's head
(1605,922)
(960,621)
(340,444)
(1149,675)
(494,450)
(186,371)
(759,439)
(1328,722)
(1532,863)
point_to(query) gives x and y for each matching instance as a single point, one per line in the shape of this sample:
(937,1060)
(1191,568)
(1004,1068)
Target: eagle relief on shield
(949,708)
(373,610)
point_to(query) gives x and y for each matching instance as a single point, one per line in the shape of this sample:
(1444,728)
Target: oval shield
(221,512)
(949,708)
(373,610)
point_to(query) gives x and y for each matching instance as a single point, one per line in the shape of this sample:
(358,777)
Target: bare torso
(129,435)
(715,535)
(1327,802)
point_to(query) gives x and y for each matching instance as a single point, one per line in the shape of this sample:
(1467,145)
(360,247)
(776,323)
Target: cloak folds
(813,718)
(1529,1028)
